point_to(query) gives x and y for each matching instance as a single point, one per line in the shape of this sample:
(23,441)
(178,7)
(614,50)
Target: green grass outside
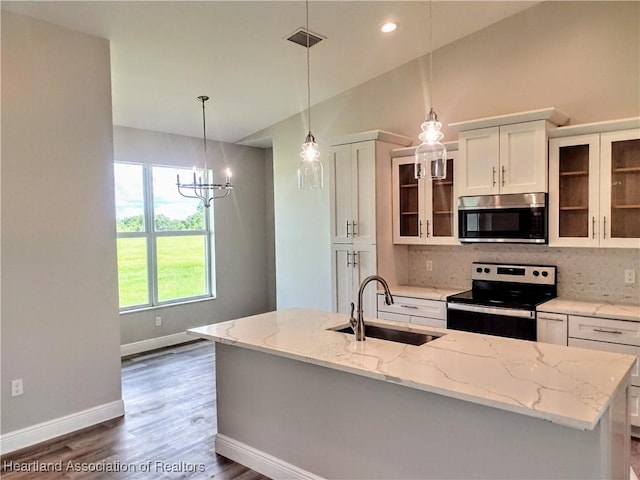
(181,269)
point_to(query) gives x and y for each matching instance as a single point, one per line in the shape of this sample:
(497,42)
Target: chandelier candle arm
(205,191)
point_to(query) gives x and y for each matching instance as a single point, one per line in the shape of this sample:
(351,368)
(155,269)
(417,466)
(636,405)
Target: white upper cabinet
(357,167)
(424,211)
(505,154)
(594,185)
(353,194)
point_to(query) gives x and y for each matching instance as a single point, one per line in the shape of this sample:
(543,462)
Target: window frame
(151,235)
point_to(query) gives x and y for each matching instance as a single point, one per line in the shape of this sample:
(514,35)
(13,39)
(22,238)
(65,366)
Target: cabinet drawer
(604,330)
(416,307)
(394,317)
(611,347)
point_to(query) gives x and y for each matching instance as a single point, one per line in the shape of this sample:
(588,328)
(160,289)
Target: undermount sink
(391,334)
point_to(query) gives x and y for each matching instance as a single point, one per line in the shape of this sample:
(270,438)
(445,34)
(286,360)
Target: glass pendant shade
(310,170)
(431,155)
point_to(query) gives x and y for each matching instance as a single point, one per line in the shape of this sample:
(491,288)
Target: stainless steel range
(502,300)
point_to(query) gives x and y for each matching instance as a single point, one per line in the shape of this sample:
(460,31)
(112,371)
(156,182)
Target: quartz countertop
(601,309)
(564,385)
(428,293)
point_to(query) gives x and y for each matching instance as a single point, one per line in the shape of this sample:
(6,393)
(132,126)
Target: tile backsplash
(583,273)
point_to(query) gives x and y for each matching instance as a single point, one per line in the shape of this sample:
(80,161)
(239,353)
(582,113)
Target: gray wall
(60,330)
(581,57)
(242,231)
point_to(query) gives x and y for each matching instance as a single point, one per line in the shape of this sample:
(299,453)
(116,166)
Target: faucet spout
(358,324)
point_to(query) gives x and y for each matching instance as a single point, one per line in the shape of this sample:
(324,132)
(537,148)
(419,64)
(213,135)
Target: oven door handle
(506,312)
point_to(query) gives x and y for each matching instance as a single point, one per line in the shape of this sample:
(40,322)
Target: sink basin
(391,334)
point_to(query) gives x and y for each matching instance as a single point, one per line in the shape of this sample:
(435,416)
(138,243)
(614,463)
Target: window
(165,241)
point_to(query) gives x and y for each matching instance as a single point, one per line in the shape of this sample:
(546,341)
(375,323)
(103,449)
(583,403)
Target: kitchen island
(297,400)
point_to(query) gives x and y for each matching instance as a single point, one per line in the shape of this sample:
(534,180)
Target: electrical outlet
(629,277)
(429,265)
(16,387)
(158,321)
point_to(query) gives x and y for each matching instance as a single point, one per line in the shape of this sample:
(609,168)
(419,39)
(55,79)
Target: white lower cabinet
(551,328)
(420,311)
(619,336)
(350,265)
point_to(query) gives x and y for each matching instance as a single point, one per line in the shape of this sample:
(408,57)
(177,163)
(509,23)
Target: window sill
(166,305)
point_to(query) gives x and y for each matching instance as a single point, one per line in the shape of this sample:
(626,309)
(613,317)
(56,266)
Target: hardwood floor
(168,428)
(169,424)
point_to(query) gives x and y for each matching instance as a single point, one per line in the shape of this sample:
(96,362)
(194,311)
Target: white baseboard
(26,437)
(154,343)
(259,461)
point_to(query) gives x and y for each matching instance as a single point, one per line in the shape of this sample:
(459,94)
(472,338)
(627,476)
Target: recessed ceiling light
(389,27)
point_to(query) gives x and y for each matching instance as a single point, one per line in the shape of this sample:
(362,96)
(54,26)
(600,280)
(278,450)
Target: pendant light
(431,155)
(310,170)
(205,191)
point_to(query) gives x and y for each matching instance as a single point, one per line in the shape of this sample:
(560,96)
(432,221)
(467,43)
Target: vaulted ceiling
(166,53)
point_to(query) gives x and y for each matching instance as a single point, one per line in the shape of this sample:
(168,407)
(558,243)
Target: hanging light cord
(308,72)
(430,55)
(204,134)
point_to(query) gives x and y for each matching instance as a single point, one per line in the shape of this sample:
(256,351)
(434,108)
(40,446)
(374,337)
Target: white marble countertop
(428,293)
(601,309)
(564,385)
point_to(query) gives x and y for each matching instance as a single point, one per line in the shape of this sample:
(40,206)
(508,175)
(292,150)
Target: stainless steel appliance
(502,300)
(511,218)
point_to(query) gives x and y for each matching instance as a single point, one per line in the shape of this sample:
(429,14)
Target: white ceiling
(164,54)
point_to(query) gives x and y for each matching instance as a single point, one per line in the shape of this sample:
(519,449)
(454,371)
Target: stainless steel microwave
(510,218)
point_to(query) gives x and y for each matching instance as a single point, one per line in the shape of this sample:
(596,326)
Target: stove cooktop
(509,286)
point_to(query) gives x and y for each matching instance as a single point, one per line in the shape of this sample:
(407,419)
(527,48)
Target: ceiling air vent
(300,37)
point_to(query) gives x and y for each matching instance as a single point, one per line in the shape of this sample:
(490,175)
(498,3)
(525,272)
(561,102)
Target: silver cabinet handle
(593,227)
(604,330)
(353,228)
(493,178)
(348,257)
(604,227)
(503,175)
(355,255)
(348,228)
(550,319)
(428,231)
(420,228)
(413,307)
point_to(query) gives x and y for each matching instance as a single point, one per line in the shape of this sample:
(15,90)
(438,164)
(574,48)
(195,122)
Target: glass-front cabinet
(594,189)
(424,211)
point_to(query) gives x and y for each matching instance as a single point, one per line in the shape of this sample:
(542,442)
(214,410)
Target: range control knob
(487,270)
(536,273)
(479,270)
(545,274)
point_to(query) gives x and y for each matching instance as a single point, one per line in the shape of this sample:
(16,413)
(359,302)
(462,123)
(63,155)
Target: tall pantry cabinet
(360,200)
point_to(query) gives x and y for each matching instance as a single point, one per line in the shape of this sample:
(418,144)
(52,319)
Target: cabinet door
(363,190)
(620,188)
(408,202)
(552,328)
(523,157)
(442,215)
(342,277)
(363,265)
(574,197)
(341,191)
(478,169)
